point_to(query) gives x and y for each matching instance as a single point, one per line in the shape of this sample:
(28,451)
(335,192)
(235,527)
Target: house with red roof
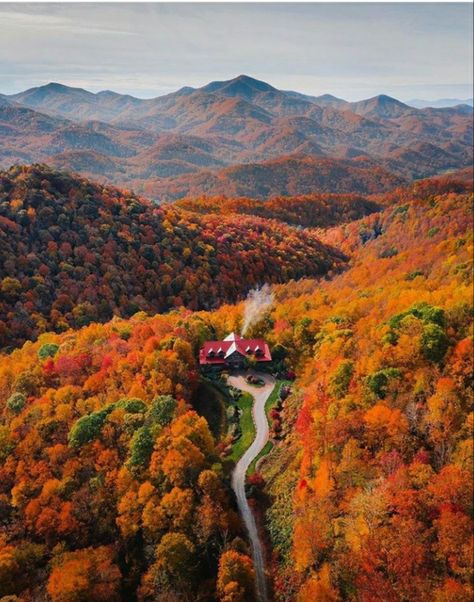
(232,351)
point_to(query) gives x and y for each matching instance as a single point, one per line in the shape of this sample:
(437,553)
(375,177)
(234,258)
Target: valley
(236,301)
(110,476)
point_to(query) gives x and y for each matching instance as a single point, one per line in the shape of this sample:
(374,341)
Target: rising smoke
(258,301)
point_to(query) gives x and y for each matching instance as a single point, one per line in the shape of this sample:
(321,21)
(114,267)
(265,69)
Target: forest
(308,211)
(112,486)
(74,252)
(370,493)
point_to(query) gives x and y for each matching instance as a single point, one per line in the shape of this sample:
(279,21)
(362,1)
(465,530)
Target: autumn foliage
(74,252)
(379,456)
(309,211)
(112,486)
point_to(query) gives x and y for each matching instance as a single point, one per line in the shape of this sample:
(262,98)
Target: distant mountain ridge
(439,103)
(157,145)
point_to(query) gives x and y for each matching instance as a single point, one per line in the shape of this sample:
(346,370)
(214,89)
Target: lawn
(266,450)
(247,427)
(275,396)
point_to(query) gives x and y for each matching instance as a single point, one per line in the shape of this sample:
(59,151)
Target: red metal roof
(216,352)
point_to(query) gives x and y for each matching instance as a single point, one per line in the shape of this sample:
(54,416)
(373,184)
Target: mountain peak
(385,99)
(185,91)
(35,96)
(380,106)
(251,81)
(55,87)
(328,97)
(243,86)
(109,93)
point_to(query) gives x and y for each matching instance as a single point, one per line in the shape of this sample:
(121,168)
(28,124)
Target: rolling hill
(309,211)
(74,252)
(291,175)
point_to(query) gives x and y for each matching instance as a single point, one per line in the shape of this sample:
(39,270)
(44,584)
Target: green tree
(16,402)
(87,428)
(47,350)
(340,380)
(162,409)
(378,381)
(141,447)
(434,342)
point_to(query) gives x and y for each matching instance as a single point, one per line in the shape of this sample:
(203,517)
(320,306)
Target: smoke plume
(258,301)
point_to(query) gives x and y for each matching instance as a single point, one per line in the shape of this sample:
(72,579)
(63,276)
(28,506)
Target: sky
(353,51)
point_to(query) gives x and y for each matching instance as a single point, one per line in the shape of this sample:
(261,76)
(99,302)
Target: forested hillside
(112,486)
(74,252)
(309,211)
(370,490)
(286,175)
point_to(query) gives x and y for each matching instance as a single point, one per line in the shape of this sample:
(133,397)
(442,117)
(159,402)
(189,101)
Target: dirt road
(260,395)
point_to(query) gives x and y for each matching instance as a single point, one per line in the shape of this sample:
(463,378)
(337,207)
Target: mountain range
(240,136)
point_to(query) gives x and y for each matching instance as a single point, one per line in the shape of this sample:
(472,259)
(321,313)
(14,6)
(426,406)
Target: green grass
(266,450)
(275,396)
(247,427)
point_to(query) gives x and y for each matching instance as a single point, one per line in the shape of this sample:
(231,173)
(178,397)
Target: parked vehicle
(255,380)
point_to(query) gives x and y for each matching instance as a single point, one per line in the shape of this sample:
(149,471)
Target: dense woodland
(370,492)
(112,486)
(297,174)
(74,252)
(310,211)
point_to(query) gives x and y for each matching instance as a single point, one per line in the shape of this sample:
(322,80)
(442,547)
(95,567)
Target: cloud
(352,50)
(35,21)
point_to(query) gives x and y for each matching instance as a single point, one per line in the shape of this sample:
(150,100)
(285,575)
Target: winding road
(260,395)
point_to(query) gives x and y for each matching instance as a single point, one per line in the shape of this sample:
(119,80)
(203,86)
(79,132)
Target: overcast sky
(351,50)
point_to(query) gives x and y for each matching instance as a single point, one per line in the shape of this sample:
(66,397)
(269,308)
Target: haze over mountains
(240,136)
(441,102)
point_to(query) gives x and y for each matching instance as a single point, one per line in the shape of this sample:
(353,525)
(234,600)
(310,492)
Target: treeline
(308,211)
(74,252)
